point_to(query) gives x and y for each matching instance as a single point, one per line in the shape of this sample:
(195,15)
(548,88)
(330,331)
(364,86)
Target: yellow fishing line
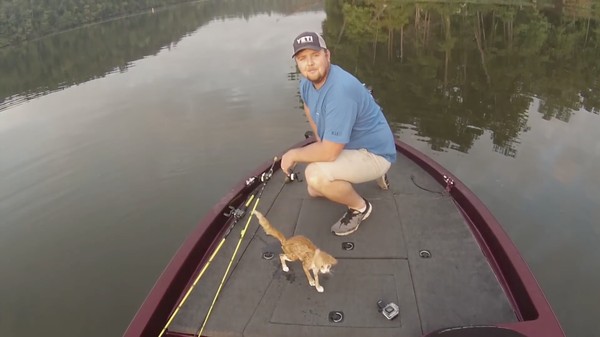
(212,256)
(228,267)
(243,232)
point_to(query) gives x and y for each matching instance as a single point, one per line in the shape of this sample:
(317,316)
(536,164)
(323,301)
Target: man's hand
(288,162)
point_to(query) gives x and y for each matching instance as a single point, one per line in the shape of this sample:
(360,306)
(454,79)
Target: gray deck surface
(454,287)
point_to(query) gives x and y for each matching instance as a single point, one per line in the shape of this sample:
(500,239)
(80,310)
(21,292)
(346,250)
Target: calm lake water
(116,139)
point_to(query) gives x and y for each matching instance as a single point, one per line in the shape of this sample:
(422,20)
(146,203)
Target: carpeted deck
(455,286)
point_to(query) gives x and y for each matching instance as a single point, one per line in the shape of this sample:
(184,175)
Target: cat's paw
(312,283)
(320,289)
(285,268)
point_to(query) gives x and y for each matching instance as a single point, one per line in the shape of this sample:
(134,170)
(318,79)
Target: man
(354,141)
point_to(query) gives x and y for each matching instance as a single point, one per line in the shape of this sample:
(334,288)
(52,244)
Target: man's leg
(333,180)
(312,192)
(339,191)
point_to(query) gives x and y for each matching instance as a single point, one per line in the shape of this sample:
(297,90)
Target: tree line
(448,70)
(61,60)
(22,20)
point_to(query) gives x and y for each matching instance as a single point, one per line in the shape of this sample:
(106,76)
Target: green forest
(22,20)
(447,70)
(61,60)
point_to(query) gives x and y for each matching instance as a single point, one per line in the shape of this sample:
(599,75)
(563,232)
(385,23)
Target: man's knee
(312,192)
(316,179)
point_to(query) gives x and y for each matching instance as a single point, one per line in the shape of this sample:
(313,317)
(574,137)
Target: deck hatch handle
(347,245)
(424,253)
(336,316)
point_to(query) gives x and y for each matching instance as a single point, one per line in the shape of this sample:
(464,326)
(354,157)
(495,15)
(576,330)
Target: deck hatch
(354,288)
(356,295)
(380,235)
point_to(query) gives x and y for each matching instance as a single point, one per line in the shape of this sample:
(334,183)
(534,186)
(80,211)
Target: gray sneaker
(349,223)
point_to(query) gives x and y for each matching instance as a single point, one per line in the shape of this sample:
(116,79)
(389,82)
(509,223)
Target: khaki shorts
(354,166)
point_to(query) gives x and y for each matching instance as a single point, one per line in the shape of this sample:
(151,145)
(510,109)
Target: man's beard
(317,77)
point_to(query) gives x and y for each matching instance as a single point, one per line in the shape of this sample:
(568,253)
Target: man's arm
(313,126)
(319,151)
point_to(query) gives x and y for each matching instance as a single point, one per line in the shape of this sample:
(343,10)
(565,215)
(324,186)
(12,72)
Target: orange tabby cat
(299,247)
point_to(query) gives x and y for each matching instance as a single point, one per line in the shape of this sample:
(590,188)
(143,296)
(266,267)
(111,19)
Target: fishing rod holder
(250,181)
(449,183)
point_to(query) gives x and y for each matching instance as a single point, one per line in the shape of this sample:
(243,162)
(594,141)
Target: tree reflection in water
(452,70)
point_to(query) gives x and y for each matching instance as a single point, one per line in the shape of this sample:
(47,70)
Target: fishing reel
(294,176)
(266,176)
(390,310)
(237,213)
(263,177)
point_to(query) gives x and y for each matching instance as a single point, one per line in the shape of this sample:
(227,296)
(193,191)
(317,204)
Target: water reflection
(446,70)
(60,61)
(101,182)
(104,180)
(451,70)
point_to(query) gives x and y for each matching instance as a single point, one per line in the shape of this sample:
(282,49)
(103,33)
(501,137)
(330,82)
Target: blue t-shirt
(346,113)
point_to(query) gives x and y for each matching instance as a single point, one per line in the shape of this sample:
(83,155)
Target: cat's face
(326,268)
(327,261)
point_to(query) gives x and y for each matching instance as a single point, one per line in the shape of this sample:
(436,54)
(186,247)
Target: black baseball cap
(308,40)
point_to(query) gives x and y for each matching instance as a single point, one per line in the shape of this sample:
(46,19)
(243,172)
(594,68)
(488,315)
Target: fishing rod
(236,214)
(264,178)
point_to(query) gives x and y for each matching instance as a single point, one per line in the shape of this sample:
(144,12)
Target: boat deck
(455,286)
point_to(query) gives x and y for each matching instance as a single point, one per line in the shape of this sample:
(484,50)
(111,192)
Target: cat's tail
(269,229)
